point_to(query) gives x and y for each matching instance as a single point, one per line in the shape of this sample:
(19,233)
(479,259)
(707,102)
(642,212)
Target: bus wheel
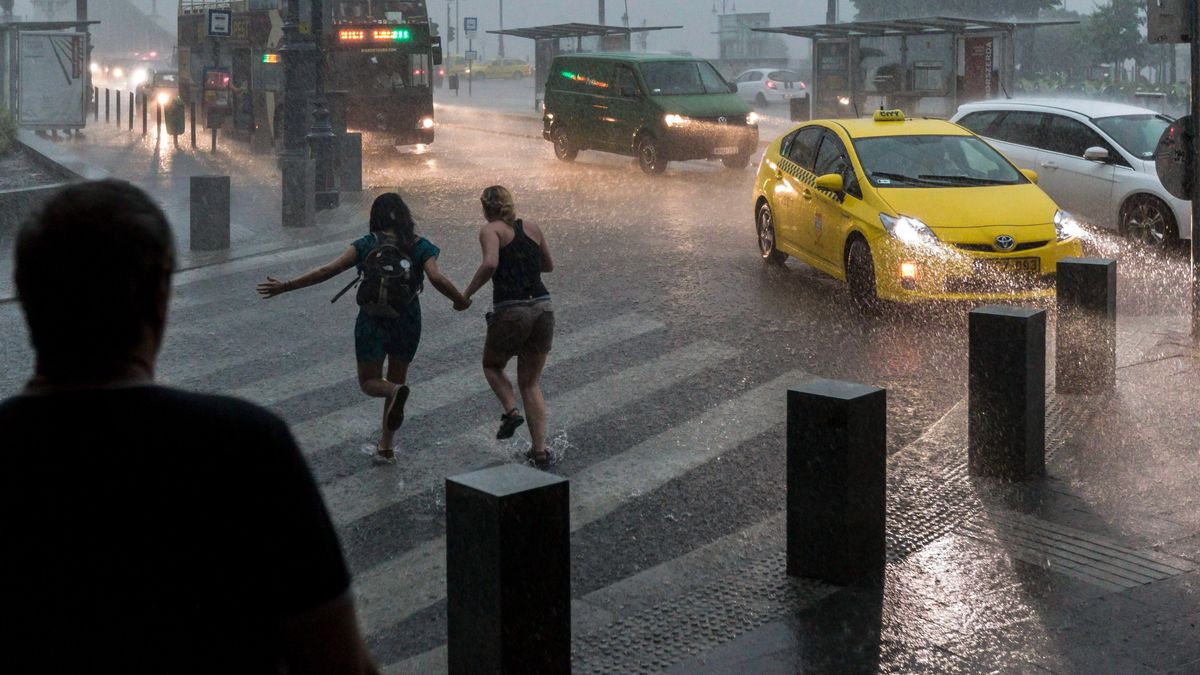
(564,147)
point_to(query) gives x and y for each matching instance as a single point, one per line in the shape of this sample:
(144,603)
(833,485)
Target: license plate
(726,150)
(1030,266)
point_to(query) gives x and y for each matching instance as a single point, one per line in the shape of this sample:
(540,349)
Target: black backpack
(389,280)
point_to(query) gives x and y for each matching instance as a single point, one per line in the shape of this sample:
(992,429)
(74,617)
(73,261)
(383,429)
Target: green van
(655,107)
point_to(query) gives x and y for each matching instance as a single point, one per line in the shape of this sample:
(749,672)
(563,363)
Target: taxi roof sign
(882,115)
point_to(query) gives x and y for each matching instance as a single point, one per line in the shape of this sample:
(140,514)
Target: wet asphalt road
(673,257)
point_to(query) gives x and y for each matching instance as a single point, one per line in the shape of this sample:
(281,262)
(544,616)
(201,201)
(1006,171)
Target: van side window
(625,81)
(572,77)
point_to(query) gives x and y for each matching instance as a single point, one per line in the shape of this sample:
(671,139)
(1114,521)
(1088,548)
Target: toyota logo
(721,120)
(1005,243)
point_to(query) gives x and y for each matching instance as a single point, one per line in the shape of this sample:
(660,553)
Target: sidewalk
(1090,569)
(108,150)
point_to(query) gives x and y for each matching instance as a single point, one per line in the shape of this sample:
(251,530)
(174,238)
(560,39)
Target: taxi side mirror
(1031,175)
(831,181)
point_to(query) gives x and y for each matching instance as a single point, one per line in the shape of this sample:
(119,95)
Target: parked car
(764,86)
(655,107)
(505,69)
(1096,159)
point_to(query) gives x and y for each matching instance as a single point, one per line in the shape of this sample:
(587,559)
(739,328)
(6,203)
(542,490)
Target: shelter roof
(915,26)
(574,30)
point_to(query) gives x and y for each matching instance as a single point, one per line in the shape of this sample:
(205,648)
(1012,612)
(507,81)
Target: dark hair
(89,266)
(389,212)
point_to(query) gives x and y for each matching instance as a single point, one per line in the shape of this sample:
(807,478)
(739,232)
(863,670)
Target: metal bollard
(836,480)
(1006,392)
(131,111)
(349,160)
(118,97)
(145,112)
(209,213)
(508,572)
(106,104)
(158,120)
(95,104)
(1085,360)
(299,198)
(192,108)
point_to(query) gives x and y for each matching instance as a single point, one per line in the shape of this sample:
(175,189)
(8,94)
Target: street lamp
(297,55)
(321,136)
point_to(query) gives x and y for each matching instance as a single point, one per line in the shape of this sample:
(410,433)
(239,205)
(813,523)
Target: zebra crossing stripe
(362,419)
(258,262)
(375,488)
(394,590)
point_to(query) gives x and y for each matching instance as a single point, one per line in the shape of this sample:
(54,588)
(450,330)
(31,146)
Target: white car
(764,86)
(1095,159)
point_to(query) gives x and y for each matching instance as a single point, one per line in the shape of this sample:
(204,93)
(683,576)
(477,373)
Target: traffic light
(450,34)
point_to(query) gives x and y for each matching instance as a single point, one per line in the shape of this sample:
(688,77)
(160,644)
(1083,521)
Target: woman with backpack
(393,262)
(521,323)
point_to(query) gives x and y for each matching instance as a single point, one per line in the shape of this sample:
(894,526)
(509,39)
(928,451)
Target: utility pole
(501,28)
(831,14)
(602,13)
(321,136)
(298,59)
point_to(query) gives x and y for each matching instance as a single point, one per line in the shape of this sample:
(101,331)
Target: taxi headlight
(1065,226)
(908,230)
(752,118)
(673,120)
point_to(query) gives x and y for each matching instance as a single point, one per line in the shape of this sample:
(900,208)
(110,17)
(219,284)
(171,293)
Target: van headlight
(908,230)
(752,118)
(673,120)
(1065,226)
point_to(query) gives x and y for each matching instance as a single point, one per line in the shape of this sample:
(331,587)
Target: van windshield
(678,78)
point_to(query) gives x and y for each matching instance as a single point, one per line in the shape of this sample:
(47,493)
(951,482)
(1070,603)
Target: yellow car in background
(909,210)
(504,69)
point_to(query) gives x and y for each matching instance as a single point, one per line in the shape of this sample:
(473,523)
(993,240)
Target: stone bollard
(1085,360)
(508,572)
(836,480)
(210,213)
(118,97)
(192,113)
(1006,398)
(131,106)
(349,160)
(145,112)
(107,104)
(296,189)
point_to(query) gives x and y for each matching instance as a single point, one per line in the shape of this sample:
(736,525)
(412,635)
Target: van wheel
(649,155)
(564,147)
(736,162)
(860,276)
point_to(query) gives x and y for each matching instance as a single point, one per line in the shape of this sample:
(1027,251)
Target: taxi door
(793,212)
(825,231)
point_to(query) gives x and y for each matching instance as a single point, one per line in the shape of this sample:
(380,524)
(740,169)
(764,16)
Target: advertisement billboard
(52,76)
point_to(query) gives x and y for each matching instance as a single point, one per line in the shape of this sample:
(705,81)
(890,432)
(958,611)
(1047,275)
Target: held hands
(272,287)
(462,303)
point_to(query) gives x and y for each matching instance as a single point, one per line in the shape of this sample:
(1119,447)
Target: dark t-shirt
(147,529)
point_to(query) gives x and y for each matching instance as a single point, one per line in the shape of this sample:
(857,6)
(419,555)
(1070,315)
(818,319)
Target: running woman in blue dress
(378,338)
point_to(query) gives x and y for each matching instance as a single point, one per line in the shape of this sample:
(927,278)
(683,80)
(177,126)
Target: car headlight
(118,73)
(140,75)
(908,230)
(752,118)
(1065,225)
(164,98)
(425,123)
(674,120)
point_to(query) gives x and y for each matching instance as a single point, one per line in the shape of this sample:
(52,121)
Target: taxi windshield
(678,78)
(933,161)
(1138,134)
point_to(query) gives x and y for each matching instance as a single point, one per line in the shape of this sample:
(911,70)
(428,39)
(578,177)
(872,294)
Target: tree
(1115,32)
(969,9)
(6,7)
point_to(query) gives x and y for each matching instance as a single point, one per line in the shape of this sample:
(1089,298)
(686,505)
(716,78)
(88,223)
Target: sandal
(540,459)
(509,422)
(394,416)
(376,453)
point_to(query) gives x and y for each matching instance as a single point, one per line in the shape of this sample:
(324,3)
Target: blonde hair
(498,204)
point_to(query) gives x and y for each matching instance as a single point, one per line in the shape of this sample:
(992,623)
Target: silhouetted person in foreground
(148,529)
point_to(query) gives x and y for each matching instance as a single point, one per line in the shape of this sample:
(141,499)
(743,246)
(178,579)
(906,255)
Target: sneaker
(509,422)
(395,408)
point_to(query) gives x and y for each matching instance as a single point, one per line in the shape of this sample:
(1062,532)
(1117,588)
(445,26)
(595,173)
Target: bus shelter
(570,38)
(925,66)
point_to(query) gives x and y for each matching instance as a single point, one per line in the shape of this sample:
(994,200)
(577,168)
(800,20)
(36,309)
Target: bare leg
(372,383)
(529,379)
(396,376)
(493,370)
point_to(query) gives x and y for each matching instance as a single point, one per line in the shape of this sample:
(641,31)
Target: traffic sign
(470,24)
(220,22)
(471,55)
(1167,21)
(1173,157)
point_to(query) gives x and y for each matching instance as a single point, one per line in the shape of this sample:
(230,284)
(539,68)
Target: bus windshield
(378,73)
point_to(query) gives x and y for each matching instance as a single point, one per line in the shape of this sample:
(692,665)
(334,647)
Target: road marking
(362,419)
(374,488)
(397,588)
(255,262)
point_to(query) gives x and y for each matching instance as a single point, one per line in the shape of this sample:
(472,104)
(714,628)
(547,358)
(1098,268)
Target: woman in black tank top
(521,323)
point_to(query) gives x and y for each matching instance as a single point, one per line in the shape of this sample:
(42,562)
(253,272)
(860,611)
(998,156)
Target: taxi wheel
(1147,220)
(765,223)
(860,275)
(564,149)
(649,155)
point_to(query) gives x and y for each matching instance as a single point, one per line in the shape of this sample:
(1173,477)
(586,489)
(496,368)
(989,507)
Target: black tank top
(519,274)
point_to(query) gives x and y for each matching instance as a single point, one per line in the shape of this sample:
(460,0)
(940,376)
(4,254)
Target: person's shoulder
(367,240)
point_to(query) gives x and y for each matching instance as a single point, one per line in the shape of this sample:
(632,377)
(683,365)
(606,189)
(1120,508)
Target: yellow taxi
(909,210)
(507,69)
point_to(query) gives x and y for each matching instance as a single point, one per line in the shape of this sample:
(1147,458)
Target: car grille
(988,248)
(730,120)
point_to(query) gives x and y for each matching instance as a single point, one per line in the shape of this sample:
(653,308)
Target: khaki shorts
(518,330)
